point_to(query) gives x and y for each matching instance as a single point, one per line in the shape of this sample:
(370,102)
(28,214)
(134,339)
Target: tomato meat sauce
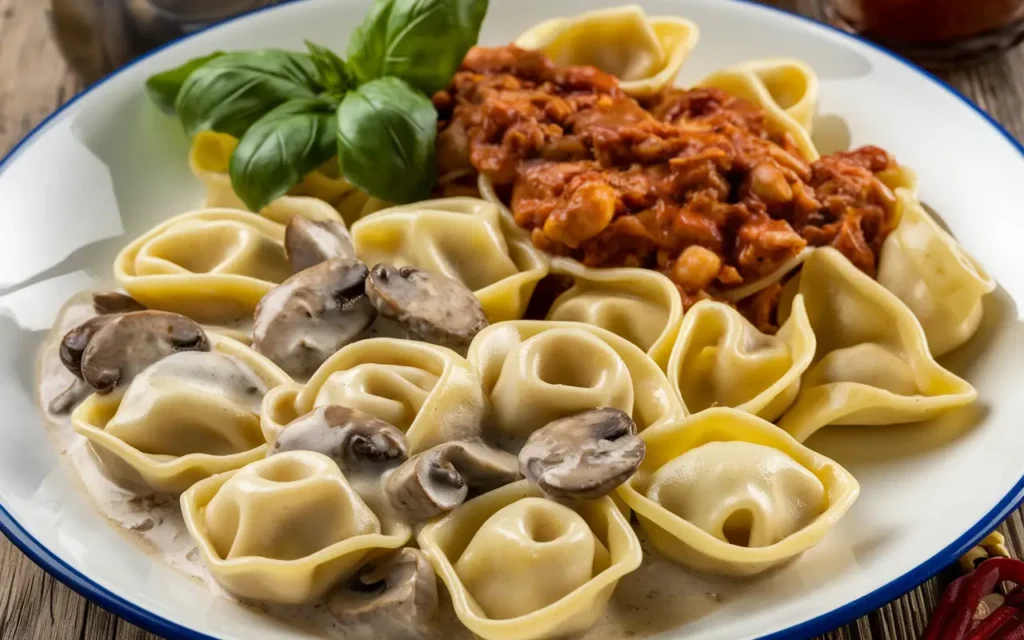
(690,182)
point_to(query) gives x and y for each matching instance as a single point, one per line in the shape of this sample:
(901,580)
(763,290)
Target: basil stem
(334,76)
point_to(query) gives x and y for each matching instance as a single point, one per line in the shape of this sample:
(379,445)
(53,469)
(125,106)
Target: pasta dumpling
(727,492)
(213,265)
(284,529)
(644,53)
(721,359)
(429,392)
(872,364)
(210,158)
(641,305)
(535,372)
(184,418)
(522,567)
(787,90)
(467,239)
(932,274)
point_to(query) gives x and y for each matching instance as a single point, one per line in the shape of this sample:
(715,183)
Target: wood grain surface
(34,81)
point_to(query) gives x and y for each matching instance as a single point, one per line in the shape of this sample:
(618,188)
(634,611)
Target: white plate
(107,166)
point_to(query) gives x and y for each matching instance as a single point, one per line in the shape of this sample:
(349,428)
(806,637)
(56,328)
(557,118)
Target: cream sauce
(657,597)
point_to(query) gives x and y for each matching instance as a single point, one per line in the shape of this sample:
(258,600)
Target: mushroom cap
(583,456)
(439,479)
(308,243)
(72,346)
(432,307)
(307,318)
(127,343)
(353,439)
(391,597)
(106,302)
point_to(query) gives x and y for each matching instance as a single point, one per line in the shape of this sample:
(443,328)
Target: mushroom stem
(440,479)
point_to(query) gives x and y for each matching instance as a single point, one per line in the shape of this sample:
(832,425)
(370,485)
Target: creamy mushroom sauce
(656,597)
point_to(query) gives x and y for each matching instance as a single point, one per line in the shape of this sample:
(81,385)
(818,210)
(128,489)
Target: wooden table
(34,81)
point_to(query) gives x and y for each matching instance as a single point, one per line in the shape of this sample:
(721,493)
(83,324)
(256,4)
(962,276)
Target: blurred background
(96,36)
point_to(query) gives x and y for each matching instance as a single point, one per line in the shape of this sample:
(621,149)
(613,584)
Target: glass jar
(937,33)
(97,36)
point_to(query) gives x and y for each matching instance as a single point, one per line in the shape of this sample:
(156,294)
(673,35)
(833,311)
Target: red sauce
(690,182)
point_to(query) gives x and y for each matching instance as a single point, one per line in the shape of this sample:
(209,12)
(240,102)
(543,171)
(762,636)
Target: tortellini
(932,274)
(872,364)
(184,418)
(213,265)
(429,392)
(210,157)
(645,54)
(285,529)
(468,239)
(537,371)
(641,305)
(787,90)
(727,492)
(721,359)
(521,567)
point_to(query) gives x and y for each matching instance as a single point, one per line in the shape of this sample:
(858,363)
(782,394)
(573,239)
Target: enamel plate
(108,166)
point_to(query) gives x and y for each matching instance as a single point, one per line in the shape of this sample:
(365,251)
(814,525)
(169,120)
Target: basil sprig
(294,111)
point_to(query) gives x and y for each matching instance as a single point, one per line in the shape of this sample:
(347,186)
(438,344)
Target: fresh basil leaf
(163,87)
(281,148)
(420,41)
(232,92)
(386,131)
(333,74)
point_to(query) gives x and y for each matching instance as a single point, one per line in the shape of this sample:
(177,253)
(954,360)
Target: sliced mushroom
(72,347)
(107,302)
(303,321)
(432,307)
(583,456)
(309,243)
(439,479)
(127,343)
(353,439)
(393,597)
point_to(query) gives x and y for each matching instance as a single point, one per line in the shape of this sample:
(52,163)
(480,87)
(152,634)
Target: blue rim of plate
(823,623)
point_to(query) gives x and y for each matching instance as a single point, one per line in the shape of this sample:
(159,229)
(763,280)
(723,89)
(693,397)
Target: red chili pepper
(956,609)
(997,621)
(1015,633)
